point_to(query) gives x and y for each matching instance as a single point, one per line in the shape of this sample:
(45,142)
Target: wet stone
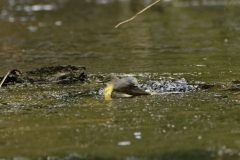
(53,74)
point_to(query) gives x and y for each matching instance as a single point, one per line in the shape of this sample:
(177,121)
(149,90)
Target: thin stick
(228,4)
(3,80)
(128,20)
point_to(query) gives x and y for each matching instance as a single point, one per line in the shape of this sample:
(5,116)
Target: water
(197,40)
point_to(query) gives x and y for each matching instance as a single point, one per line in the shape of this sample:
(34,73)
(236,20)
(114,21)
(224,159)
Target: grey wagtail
(120,88)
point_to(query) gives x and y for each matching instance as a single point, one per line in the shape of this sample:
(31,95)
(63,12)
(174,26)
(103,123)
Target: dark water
(197,40)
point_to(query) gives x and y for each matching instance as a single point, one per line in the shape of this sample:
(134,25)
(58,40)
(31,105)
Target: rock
(54,74)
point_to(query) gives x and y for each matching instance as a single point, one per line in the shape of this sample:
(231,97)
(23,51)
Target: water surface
(197,40)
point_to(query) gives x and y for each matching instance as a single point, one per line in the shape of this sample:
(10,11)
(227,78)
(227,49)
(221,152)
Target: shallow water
(197,40)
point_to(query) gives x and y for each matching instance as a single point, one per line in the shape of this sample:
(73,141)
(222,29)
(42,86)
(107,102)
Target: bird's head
(110,79)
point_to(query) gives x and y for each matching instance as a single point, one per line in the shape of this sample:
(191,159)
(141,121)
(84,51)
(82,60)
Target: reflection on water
(197,40)
(82,33)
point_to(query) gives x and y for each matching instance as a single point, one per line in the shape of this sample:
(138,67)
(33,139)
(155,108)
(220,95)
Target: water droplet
(11,19)
(138,137)
(4,12)
(40,24)
(58,23)
(32,28)
(27,8)
(124,143)
(137,133)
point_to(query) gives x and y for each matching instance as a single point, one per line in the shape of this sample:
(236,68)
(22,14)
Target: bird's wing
(137,91)
(128,85)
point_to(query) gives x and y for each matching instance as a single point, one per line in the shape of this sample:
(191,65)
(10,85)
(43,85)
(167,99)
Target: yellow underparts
(108,92)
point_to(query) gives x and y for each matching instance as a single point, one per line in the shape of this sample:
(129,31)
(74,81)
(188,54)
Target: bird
(121,87)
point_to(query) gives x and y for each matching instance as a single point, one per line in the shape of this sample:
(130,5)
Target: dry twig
(9,72)
(4,78)
(128,20)
(229,4)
